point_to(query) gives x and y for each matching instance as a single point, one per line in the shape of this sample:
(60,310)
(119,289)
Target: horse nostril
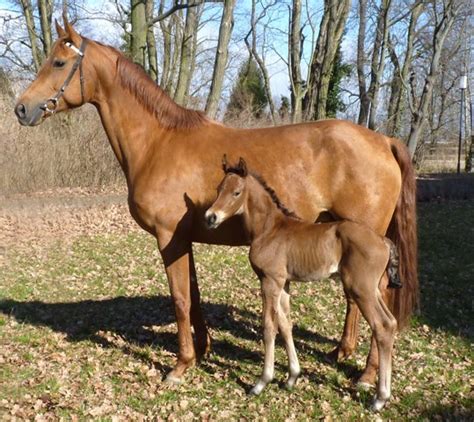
(211,219)
(20,111)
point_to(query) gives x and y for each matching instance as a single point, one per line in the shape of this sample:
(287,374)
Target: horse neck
(261,215)
(131,129)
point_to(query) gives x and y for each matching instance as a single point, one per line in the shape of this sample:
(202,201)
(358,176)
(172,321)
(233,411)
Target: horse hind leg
(285,326)
(383,326)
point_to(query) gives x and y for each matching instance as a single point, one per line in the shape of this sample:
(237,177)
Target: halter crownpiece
(77,64)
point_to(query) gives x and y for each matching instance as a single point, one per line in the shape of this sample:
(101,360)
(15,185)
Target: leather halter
(53,101)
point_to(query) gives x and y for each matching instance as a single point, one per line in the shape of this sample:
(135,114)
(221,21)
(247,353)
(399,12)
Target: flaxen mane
(268,189)
(170,115)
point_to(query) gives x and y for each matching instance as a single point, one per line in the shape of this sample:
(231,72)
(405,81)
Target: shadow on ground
(132,319)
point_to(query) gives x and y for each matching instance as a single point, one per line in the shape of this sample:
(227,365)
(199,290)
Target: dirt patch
(67,213)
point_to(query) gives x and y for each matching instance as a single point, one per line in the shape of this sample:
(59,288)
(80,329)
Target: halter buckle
(46,106)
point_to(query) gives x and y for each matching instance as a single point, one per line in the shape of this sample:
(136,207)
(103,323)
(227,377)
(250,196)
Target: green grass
(87,330)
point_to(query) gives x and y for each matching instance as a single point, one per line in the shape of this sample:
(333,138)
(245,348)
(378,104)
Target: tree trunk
(294,58)
(363,97)
(419,116)
(225,31)
(400,76)
(330,34)
(139,32)
(151,42)
(46,13)
(187,55)
(32,34)
(378,61)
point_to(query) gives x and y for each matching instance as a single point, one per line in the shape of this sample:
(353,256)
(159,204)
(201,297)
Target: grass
(87,331)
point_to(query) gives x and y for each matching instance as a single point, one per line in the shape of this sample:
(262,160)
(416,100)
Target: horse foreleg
(203,339)
(271,293)
(176,258)
(348,342)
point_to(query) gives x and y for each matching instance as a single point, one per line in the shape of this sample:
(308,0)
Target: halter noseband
(53,101)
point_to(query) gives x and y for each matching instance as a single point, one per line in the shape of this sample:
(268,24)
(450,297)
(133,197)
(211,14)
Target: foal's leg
(383,326)
(271,292)
(285,326)
(369,375)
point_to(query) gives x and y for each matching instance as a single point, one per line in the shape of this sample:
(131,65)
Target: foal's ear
(71,33)
(243,167)
(60,31)
(224,163)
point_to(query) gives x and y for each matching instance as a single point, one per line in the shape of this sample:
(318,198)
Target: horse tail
(402,232)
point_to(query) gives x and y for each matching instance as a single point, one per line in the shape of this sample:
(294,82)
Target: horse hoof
(364,386)
(378,405)
(173,380)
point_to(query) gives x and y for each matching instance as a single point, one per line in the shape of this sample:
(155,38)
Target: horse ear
(71,32)
(224,163)
(60,31)
(243,167)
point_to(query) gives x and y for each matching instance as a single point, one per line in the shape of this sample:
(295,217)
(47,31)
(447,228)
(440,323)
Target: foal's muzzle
(211,220)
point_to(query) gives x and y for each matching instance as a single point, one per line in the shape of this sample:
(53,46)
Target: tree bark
(378,61)
(139,32)
(298,89)
(46,13)
(364,98)
(225,31)
(330,34)
(151,42)
(36,53)
(187,55)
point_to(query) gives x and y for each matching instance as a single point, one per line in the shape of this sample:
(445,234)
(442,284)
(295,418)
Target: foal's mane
(169,114)
(268,189)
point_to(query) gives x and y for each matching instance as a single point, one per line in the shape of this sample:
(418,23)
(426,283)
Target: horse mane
(170,115)
(268,189)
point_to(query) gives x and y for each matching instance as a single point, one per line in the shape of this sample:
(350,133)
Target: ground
(87,328)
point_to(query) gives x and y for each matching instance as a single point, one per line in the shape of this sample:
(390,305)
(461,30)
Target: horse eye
(237,193)
(59,63)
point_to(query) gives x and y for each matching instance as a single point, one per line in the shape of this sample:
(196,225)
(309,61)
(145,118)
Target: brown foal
(285,248)
(170,155)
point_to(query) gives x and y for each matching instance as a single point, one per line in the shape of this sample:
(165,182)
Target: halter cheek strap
(51,104)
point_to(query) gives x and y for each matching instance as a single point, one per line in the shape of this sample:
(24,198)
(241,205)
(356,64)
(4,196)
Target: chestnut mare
(284,248)
(170,158)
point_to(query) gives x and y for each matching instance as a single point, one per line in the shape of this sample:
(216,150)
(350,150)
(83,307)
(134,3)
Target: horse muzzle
(29,116)
(212,220)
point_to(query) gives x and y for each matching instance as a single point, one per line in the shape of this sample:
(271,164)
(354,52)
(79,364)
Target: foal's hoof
(173,379)
(364,386)
(378,404)
(256,390)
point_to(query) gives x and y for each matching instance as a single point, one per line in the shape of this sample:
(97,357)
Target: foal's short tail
(402,232)
(394,281)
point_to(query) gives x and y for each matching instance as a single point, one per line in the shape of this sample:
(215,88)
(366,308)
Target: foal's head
(231,194)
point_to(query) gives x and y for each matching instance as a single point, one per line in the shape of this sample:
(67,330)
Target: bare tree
(253,50)
(330,34)
(401,73)
(444,19)
(295,42)
(188,55)
(225,31)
